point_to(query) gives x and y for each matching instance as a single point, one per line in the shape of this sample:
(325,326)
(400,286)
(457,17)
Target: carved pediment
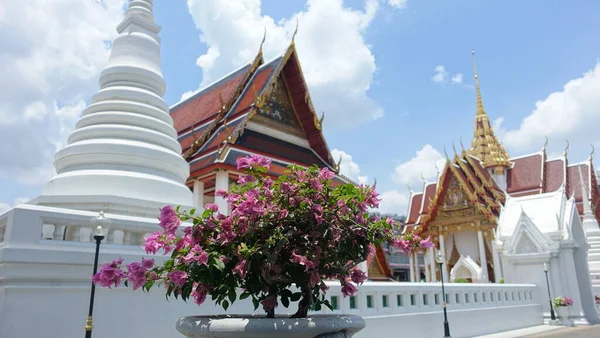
(455,198)
(527,239)
(278,106)
(467,268)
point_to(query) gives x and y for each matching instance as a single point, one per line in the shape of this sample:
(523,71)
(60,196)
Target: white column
(222,183)
(427,266)
(199,194)
(482,257)
(496,260)
(432,264)
(411,266)
(417,268)
(444,266)
(364,267)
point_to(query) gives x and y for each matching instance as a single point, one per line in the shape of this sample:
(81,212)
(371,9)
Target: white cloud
(423,164)
(233,29)
(457,78)
(440,75)
(572,113)
(50,60)
(5,207)
(348,167)
(393,202)
(398,3)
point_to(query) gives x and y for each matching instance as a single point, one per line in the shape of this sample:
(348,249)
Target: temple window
(413,300)
(369,301)
(384,301)
(436,299)
(353,302)
(399,301)
(425,299)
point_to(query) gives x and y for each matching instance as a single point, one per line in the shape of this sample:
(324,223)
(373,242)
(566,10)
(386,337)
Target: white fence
(46,262)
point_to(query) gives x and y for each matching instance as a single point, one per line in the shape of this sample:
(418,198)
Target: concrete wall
(45,284)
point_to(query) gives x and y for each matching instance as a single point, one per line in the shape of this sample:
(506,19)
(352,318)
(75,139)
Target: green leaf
(207,213)
(326,303)
(192,211)
(285,301)
(255,301)
(149,285)
(232,295)
(296,296)
(244,296)
(219,264)
(225,305)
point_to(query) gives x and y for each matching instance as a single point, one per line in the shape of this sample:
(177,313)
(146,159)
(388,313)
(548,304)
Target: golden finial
(446,153)
(592,153)
(295,31)
(321,120)
(258,100)
(462,145)
(339,162)
(222,102)
(263,41)
(437,170)
(479,101)
(454,148)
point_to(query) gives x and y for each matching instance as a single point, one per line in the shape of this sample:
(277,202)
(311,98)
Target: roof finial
(454,148)
(462,145)
(437,170)
(446,153)
(262,42)
(567,147)
(409,188)
(295,31)
(592,153)
(374,183)
(339,162)
(545,142)
(423,178)
(479,101)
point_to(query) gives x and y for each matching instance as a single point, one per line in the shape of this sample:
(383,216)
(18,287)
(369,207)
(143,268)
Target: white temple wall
(466,243)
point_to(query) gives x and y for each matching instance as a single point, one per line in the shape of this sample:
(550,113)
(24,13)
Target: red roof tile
(429,196)
(555,175)
(414,208)
(206,104)
(526,174)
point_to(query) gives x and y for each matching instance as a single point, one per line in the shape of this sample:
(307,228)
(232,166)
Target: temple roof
(213,123)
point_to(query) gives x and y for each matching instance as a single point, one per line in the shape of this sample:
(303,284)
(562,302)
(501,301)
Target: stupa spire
(124,147)
(485,145)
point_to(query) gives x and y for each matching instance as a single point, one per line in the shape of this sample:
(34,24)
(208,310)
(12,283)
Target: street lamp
(439,258)
(552,316)
(99,227)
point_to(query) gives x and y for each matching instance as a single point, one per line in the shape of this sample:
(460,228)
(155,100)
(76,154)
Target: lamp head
(439,258)
(100,225)
(545,267)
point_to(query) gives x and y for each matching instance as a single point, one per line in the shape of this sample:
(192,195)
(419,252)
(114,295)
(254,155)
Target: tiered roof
(228,118)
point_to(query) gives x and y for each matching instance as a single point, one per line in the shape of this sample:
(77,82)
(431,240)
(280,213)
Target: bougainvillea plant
(597,299)
(280,240)
(562,301)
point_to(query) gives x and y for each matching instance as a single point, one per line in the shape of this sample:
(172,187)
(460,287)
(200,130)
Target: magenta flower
(269,303)
(243,163)
(426,243)
(348,289)
(110,274)
(325,174)
(199,293)
(136,274)
(169,220)
(148,263)
(302,260)
(177,277)
(358,276)
(211,206)
(196,254)
(240,269)
(221,193)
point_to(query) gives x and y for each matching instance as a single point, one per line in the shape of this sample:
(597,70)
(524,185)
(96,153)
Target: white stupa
(123,156)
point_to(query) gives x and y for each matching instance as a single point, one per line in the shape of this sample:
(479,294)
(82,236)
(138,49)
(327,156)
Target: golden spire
(485,145)
(479,101)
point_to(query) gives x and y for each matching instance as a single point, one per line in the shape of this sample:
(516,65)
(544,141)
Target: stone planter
(564,316)
(255,326)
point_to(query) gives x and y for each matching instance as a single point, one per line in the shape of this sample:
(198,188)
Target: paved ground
(570,332)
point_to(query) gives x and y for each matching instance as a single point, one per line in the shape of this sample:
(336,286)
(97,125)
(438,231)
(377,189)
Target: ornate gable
(466,268)
(278,108)
(527,239)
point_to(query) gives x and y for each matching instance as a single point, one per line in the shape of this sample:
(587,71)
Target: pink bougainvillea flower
(243,163)
(358,276)
(426,243)
(240,269)
(110,274)
(136,274)
(211,206)
(177,277)
(348,289)
(169,220)
(269,303)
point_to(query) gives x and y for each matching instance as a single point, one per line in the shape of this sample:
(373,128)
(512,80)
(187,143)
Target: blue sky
(525,50)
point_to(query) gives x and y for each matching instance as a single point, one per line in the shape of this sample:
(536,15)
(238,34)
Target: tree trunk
(305,303)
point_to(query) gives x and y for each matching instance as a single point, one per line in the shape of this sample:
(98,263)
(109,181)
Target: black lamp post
(552,316)
(100,227)
(439,258)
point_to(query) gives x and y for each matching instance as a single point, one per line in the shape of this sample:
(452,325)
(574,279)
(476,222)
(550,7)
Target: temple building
(262,108)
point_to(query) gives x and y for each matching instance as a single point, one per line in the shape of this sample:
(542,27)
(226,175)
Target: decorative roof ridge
(537,153)
(472,178)
(560,158)
(585,162)
(218,126)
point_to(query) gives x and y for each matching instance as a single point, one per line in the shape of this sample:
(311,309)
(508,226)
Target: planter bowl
(255,326)
(564,315)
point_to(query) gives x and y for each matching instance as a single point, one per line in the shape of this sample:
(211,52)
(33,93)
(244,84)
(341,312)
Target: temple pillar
(199,194)
(431,259)
(444,266)
(427,266)
(496,260)
(411,267)
(222,183)
(417,268)
(482,257)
